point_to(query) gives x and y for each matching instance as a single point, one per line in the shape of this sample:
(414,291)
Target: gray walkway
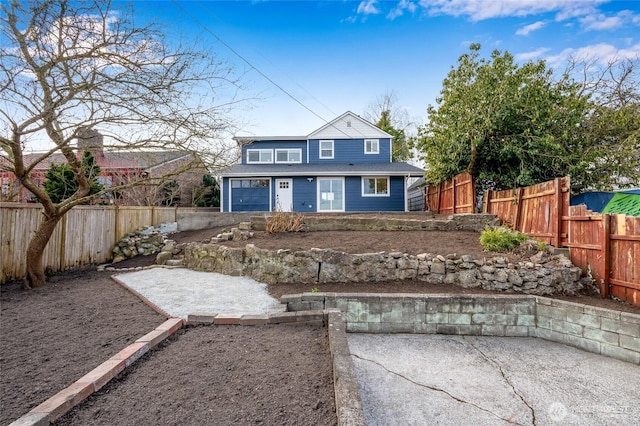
(455,380)
(180,292)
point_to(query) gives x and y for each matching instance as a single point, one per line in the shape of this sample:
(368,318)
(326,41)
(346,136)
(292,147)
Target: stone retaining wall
(454,222)
(542,275)
(603,331)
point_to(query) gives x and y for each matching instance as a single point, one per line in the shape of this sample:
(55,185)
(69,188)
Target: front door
(284,195)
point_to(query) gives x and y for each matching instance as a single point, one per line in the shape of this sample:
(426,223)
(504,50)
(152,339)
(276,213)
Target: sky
(328,57)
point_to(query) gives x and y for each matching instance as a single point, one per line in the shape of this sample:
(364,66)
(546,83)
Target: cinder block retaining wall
(603,331)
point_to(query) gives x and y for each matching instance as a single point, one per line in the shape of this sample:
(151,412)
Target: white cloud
(601,52)
(528,56)
(403,5)
(601,22)
(368,7)
(529,28)
(478,10)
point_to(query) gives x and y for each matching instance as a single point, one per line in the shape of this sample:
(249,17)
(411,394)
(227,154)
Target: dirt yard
(222,375)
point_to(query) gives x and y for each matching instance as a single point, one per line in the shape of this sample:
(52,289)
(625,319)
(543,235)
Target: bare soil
(52,336)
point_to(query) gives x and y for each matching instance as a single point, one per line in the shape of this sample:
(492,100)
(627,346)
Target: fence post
(518,212)
(453,196)
(116,225)
(439,196)
(557,210)
(606,254)
(486,200)
(63,240)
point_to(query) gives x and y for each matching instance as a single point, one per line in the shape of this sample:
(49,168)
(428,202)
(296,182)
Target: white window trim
(289,150)
(319,196)
(260,155)
(333,151)
(363,186)
(377,151)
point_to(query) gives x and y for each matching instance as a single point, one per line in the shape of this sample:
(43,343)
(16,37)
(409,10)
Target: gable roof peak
(348,126)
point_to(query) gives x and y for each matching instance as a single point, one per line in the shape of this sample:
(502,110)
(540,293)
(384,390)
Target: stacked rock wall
(541,275)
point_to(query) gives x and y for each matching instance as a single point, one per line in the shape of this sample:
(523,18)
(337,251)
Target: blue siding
(304,193)
(350,151)
(302,144)
(355,202)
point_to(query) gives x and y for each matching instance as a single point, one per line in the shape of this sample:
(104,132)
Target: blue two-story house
(344,166)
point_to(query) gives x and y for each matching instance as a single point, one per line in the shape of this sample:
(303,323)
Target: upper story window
(371,146)
(326,149)
(289,155)
(259,156)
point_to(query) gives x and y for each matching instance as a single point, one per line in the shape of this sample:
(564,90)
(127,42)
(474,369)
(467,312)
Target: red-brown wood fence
(536,210)
(607,247)
(455,195)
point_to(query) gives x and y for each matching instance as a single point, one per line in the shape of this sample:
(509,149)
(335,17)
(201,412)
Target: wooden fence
(607,247)
(455,195)
(85,235)
(536,210)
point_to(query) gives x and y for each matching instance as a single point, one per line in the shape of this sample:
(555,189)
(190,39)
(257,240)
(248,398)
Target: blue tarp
(605,202)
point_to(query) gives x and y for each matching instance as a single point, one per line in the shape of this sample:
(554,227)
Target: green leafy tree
(61,182)
(208,193)
(508,125)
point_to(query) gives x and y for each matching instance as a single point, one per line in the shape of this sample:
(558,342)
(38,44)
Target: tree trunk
(35,268)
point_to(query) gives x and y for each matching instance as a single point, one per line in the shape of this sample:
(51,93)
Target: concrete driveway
(411,379)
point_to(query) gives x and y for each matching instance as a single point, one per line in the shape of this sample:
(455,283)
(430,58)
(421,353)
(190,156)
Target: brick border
(59,404)
(148,302)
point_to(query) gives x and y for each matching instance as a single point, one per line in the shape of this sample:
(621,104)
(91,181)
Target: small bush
(284,222)
(501,239)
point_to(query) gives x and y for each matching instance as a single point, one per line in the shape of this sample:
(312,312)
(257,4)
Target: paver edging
(59,404)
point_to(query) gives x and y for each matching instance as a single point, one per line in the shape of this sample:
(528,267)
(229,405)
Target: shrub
(284,222)
(501,239)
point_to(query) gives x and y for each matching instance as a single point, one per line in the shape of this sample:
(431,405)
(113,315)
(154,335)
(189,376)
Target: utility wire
(265,76)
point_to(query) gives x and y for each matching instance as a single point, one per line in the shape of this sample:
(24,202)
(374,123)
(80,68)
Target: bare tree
(385,113)
(70,67)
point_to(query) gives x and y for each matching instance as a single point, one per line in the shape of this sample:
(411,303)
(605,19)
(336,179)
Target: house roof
(349,126)
(329,169)
(114,160)
(346,126)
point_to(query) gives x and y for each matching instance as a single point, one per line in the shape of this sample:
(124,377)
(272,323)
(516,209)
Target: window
(331,194)
(288,156)
(375,186)
(326,149)
(264,156)
(371,146)
(249,183)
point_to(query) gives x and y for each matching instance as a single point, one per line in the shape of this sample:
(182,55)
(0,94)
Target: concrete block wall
(604,331)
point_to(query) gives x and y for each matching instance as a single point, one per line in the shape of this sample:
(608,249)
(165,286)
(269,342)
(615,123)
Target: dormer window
(326,149)
(371,146)
(259,156)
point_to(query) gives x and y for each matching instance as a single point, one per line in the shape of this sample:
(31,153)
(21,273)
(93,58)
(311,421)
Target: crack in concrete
(434,388)
(506,379)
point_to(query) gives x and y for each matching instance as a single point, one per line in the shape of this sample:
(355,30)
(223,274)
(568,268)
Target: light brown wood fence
(608,247)
(455,195)
(85,235)
(536,210)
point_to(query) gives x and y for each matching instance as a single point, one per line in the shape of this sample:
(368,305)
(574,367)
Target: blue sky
(334,56)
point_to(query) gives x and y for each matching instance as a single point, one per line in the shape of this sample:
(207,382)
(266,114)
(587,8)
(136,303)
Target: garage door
(249,195)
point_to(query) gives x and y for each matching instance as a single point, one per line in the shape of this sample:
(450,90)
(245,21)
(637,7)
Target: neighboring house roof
(329,169)
(416,185)
(349,126)
(114,160)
